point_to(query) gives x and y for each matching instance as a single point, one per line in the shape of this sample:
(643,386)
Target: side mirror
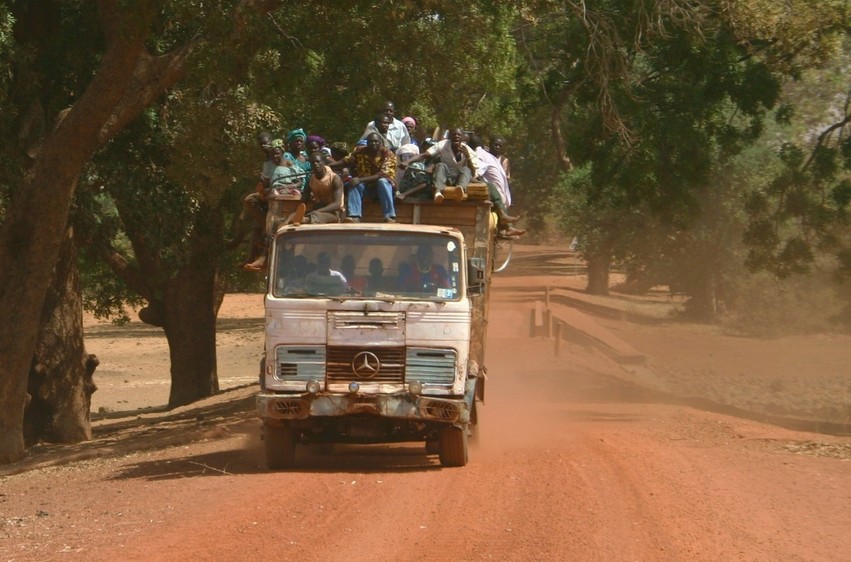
(476,276)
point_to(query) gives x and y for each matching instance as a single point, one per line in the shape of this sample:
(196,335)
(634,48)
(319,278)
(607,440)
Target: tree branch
(153,76)
(825,135)
(123,269)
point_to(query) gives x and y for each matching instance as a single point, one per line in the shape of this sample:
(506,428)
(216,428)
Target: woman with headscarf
(297,154)
(315,143)
(411,125)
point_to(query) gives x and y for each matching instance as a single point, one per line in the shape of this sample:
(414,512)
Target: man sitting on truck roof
(497,148)
(490,171)
(396,134)
(324,193)
(374,167)
(415,180)
(381,125)
(456,164)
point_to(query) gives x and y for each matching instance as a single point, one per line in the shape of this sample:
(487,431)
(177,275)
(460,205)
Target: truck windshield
(367,265)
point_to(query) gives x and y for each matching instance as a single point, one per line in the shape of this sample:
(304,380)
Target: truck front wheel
(280,446)
(453,446)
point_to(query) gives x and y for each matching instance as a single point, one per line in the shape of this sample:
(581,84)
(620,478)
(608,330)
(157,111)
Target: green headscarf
(294,134)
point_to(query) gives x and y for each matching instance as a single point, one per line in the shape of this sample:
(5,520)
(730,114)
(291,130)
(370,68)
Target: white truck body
(390,358)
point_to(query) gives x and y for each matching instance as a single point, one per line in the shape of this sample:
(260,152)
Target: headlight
(353,387)
(313,387)
(415,387)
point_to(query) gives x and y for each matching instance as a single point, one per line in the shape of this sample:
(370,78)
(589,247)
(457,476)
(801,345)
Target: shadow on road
(355,459)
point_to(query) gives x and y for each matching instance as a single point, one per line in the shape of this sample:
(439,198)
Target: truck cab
(375,332)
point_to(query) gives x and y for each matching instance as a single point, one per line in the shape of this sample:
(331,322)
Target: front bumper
(398,406)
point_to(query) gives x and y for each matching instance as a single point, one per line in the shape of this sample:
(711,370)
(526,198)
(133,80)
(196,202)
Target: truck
(375,332)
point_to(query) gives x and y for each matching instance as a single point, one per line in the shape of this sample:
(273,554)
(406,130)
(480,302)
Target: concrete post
(532,322)
(548,323)
(557,336)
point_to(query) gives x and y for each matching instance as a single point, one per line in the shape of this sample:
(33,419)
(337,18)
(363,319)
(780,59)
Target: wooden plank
(586,329)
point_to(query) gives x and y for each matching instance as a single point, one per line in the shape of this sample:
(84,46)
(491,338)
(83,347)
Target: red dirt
(574,461)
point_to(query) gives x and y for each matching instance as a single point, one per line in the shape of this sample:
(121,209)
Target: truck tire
(432,446)
(280,446)
(453,446)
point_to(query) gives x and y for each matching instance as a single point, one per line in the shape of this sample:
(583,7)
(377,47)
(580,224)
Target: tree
(126,77)
(60,382)
(659,114)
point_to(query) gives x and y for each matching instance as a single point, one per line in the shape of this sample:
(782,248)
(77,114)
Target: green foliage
(662,108)
(193,153)
(659,131)
(7,45)
(338,62)
(104,295)
(692,104)
(801,212)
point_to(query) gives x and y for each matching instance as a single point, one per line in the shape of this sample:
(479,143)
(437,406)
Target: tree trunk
(184,304)
(126,81)
(37,215)
(192,300)
(60,381)
(704,301)
(598,275)
(190,327)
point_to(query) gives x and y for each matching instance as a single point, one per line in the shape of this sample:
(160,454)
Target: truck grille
(299,363)
(430,366)
(376,364)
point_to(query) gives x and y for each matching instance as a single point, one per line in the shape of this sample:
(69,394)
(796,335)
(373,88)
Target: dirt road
(573,463)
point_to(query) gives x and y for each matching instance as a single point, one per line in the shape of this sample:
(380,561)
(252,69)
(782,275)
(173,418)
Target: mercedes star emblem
(366,364)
